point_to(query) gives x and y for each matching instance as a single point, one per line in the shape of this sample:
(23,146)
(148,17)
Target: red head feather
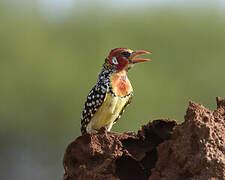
(119,58)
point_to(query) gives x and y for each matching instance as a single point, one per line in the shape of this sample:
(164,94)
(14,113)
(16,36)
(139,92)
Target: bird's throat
(120,84)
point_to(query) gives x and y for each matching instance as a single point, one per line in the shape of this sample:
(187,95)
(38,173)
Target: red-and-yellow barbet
(112,93)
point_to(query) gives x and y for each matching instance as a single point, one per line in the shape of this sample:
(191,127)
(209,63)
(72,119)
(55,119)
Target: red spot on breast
(120,84)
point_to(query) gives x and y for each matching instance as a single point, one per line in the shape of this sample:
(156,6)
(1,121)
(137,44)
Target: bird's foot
(92,131)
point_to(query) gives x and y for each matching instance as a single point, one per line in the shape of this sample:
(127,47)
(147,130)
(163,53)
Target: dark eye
(125,54)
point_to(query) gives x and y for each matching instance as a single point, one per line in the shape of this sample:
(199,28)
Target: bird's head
(123,59)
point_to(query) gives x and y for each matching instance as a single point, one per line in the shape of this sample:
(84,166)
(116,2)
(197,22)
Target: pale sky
(56,9)
(53,8)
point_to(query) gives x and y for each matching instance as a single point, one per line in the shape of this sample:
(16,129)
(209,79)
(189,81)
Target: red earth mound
(162,149)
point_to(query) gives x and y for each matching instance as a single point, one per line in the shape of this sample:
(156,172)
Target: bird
(113,91)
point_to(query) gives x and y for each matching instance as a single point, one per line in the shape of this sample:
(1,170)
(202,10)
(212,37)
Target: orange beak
(137,53)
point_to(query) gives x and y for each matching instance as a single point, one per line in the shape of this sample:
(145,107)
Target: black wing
(94,100)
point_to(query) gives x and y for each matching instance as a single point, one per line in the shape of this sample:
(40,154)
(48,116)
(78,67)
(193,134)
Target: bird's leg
(109,126)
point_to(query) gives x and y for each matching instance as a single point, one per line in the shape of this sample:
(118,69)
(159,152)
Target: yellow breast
(108,112)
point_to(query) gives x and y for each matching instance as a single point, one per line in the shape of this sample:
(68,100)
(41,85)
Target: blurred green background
(51,53)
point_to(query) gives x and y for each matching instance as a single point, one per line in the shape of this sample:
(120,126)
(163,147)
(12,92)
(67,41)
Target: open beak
(137,53)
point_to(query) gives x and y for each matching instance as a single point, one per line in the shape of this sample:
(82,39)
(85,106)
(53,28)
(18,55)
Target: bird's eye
(125,54)
(114,60)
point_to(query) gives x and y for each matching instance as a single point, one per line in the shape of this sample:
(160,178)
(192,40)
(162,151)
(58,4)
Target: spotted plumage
(107,100)
(95,98)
